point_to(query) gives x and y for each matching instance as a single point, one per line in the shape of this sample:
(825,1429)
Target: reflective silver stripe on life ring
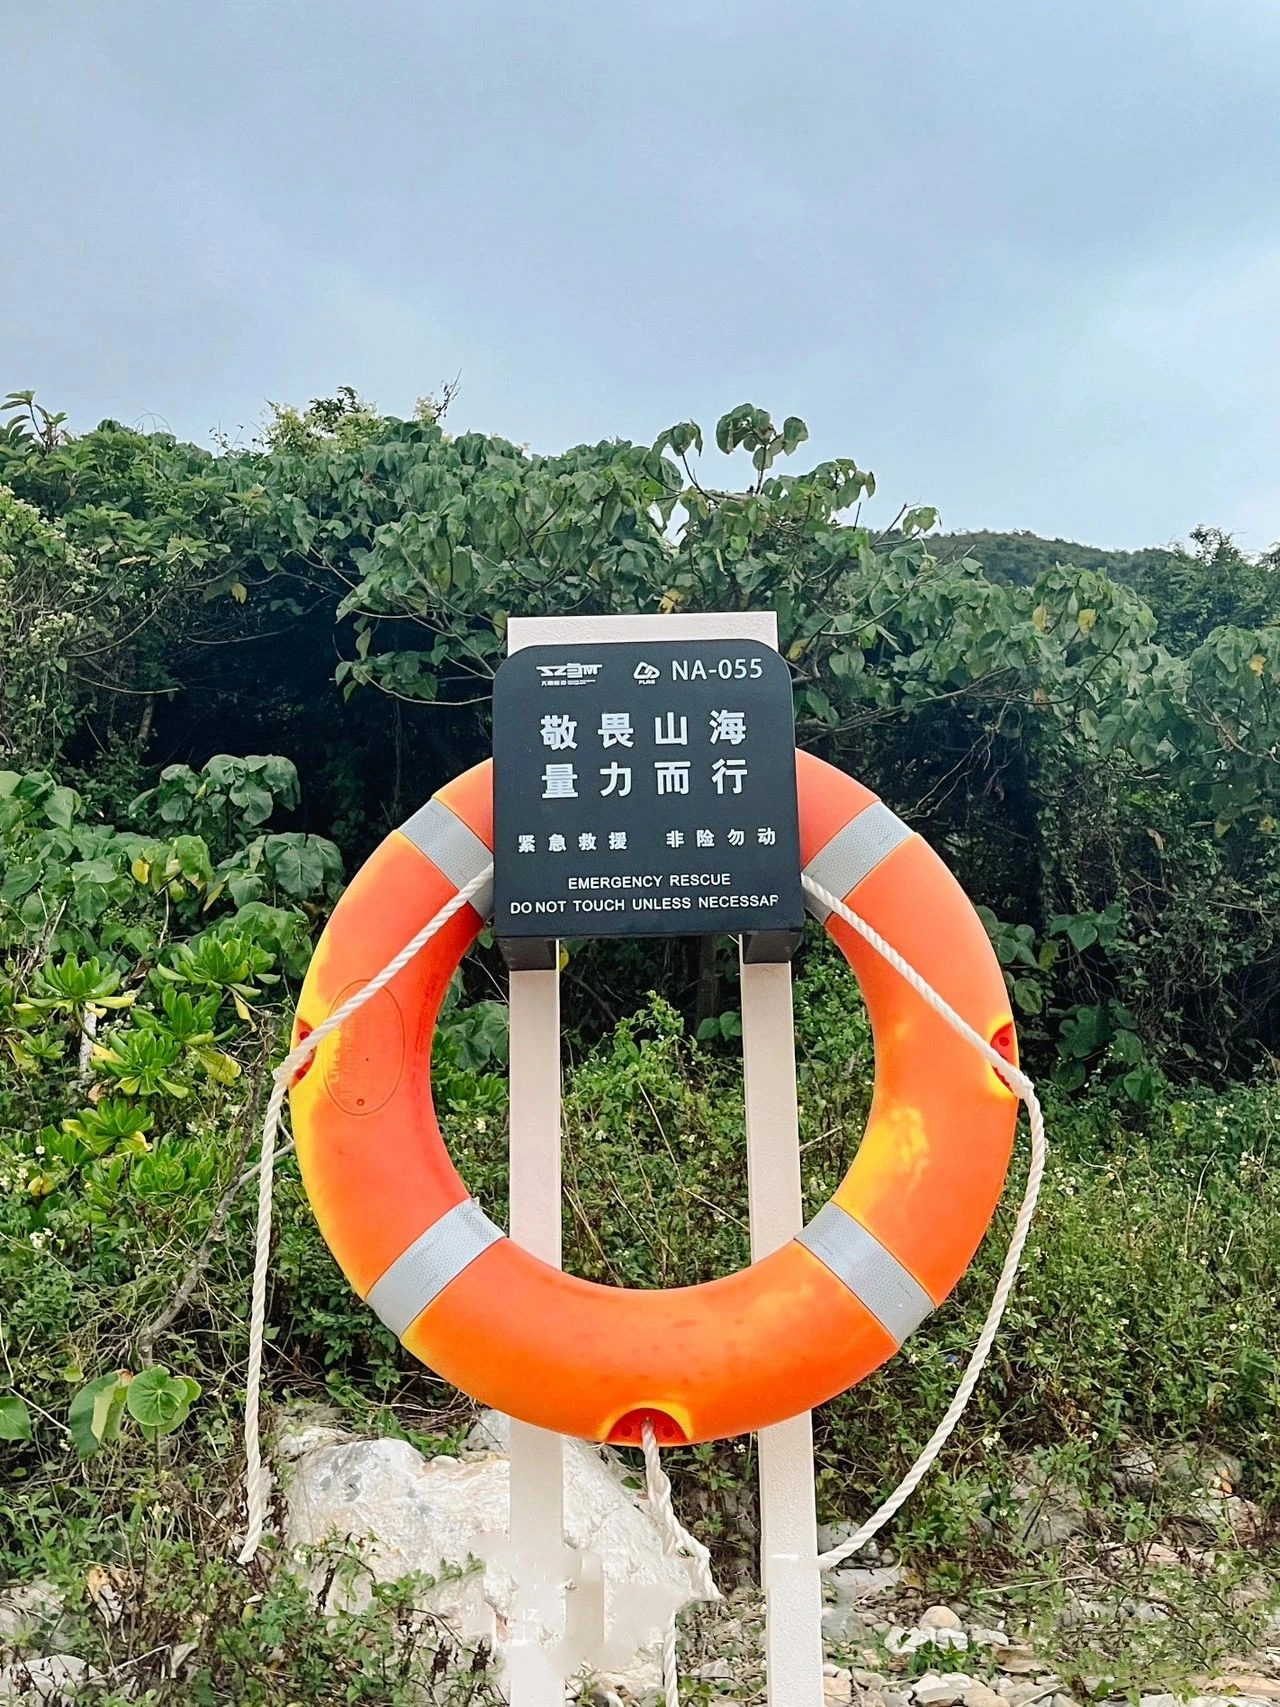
(435,1257)
(854,852)
(453,848)
(871,1272)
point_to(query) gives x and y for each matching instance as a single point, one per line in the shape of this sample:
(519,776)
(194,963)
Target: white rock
(837,1689)
(954,1639)
(911,1641)
(852,1587)
(1052,1511)
(981,1637)
(1244,1518)
(1204,1494)
(1086,1609)
(714,1671)
(939,1618)
(1016,1657)
(1019,1690)
(56,1678)
(1225,1471)
(833,1534)
(981,1694)
(843,1625)
(26,1609)
(1136,1467)
(644,1682)
(1164,1700)
(406,1515)
(941,1689)
(305,1428)
(1145,1612)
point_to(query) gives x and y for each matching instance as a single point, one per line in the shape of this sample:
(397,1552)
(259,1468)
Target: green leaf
(919,520)
(223,1069)
(159,1402)
(15,1418)
(1126,1047)
(685,435)
(93,1416)
(224,770)
(1079,928)
(192,855)
(794,433)
(254,801)
(103,1404)
(297,865)
(1140,1085)
(1028,995)
(817,703)
(847,664)
(18,881)
(246,886)
(281,776)
(61,807)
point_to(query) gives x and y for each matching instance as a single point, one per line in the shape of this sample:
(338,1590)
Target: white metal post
(789,1569)
(536,1455)
(788,1518)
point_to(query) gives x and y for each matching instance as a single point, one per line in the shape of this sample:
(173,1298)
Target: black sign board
(645,789)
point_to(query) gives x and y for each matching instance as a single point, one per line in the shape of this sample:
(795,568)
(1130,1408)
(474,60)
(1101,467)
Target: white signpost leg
(788,1519)
(536,1455)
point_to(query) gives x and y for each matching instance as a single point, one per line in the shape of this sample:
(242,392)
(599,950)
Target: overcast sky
(1020,258)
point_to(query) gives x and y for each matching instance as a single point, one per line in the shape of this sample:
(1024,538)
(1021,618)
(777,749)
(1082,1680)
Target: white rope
(257,1475)
(1021,1086)
(675,1539)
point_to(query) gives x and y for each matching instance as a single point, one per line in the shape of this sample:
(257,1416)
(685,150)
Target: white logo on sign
(555,675)
(645,674)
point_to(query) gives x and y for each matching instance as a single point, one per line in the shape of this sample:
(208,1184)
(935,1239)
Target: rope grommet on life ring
(701,1362)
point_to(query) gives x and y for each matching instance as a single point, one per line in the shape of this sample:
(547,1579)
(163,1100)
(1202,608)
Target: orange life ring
(701,1362)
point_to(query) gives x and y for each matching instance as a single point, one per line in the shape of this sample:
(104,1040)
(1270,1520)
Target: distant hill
(1017,558)
(1192,590)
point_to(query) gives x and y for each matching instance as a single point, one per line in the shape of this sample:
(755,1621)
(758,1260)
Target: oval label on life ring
(364,1060)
